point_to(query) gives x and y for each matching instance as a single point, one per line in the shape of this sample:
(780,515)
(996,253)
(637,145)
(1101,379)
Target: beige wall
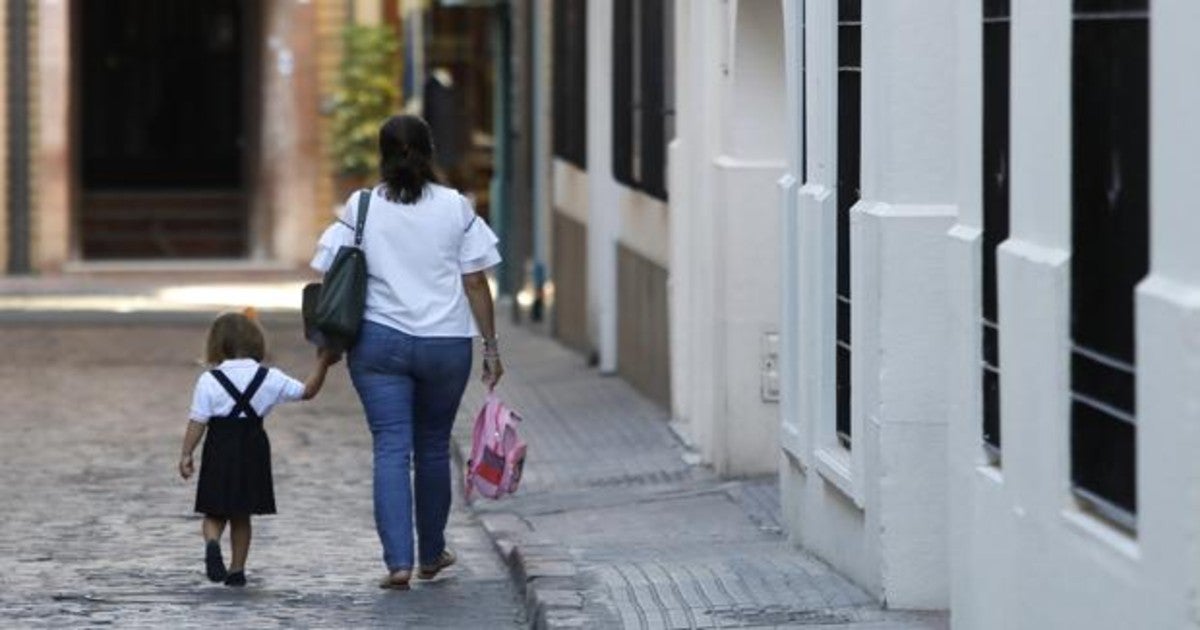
(52,201)
(645,226)
(570,282)
(367,12)
(643,351)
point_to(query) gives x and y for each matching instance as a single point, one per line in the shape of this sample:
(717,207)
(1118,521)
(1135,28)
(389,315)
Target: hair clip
(250,312)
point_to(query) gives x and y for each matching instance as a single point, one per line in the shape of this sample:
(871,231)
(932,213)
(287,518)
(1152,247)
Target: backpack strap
(360,222)
(241,399)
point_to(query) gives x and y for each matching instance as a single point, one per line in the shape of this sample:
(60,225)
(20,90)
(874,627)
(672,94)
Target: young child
(229,404)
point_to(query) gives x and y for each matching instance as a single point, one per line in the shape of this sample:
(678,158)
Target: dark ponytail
(405,158)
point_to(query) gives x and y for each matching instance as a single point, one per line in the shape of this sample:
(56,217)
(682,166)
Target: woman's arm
(479,294)
(195,431)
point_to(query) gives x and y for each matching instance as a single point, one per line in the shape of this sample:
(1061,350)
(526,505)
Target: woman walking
(427,298)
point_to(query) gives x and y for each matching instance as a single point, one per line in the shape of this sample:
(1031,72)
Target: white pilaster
(603,191)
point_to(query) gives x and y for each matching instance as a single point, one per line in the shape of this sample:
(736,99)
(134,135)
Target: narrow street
(98,527)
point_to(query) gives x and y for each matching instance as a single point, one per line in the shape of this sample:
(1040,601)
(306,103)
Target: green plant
(368,92)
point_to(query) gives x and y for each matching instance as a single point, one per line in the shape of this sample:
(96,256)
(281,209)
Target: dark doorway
(162,115)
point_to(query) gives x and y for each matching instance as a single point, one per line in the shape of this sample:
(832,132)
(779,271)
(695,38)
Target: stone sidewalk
(98,529)
(613,528)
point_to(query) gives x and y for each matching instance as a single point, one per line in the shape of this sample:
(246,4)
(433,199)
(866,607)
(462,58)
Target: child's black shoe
(237,578)
(214,566)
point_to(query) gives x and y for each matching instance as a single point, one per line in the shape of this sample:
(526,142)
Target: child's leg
(239,535)
(214,565)
(213,527)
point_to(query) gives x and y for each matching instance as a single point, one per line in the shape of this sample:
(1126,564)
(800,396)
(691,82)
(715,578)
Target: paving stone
(98,527)
(655,540)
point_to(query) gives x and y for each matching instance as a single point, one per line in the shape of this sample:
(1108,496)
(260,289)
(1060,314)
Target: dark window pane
(622,92)
(1103,381)
(570,81)
(1103,452)
(997,8)
(849,46)
(991,407)
(1111,6)
(1110,225)
(849,106)
(652,107)
(995,155)
(642,116)
(991,345)
(843,321)
(995,200)
(848,171)
(1110,183)
(843,394)
(849,11)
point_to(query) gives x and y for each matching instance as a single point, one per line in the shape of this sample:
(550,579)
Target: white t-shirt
(416,257)
(210,399)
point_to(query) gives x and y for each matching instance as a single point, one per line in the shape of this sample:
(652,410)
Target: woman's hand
(492,370)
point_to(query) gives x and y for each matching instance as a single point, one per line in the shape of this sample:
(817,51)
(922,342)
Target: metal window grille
(849,73)
(1110,254)
(642,113)
(570,81)
(996,24)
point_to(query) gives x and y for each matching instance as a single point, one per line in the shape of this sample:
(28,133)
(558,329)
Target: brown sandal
(446,559)
(397,581)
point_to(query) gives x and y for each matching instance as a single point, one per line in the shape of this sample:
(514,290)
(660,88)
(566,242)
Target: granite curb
(543,572)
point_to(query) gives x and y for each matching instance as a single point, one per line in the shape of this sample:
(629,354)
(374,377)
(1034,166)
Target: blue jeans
(410,388)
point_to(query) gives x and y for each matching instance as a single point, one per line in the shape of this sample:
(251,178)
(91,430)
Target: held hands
(328,356)
(186,466)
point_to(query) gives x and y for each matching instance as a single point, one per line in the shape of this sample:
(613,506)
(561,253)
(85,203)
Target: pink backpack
(497,453)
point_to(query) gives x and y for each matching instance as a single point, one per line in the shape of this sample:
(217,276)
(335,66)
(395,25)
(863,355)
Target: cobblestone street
(98,526)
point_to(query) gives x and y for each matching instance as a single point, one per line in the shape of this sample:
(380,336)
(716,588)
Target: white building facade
(929,260)
(988,302)
(665,245)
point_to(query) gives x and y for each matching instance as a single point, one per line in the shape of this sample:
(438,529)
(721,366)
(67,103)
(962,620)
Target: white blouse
(210,399)
(416,257)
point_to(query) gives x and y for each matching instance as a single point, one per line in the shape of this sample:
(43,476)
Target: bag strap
(241,400)
(364,204)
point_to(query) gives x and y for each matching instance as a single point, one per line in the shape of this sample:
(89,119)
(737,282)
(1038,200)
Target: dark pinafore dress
(235,469)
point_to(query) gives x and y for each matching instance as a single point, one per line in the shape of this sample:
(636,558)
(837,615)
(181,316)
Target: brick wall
(331,18)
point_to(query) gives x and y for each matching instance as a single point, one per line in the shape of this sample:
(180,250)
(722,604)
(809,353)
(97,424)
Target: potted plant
(368,92)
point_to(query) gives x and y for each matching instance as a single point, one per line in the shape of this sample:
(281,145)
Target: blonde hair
(234,336)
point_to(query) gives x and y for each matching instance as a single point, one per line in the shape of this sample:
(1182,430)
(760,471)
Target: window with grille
(996,17)
(570,81)
(1110,254)
(643,93)
(849,73)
